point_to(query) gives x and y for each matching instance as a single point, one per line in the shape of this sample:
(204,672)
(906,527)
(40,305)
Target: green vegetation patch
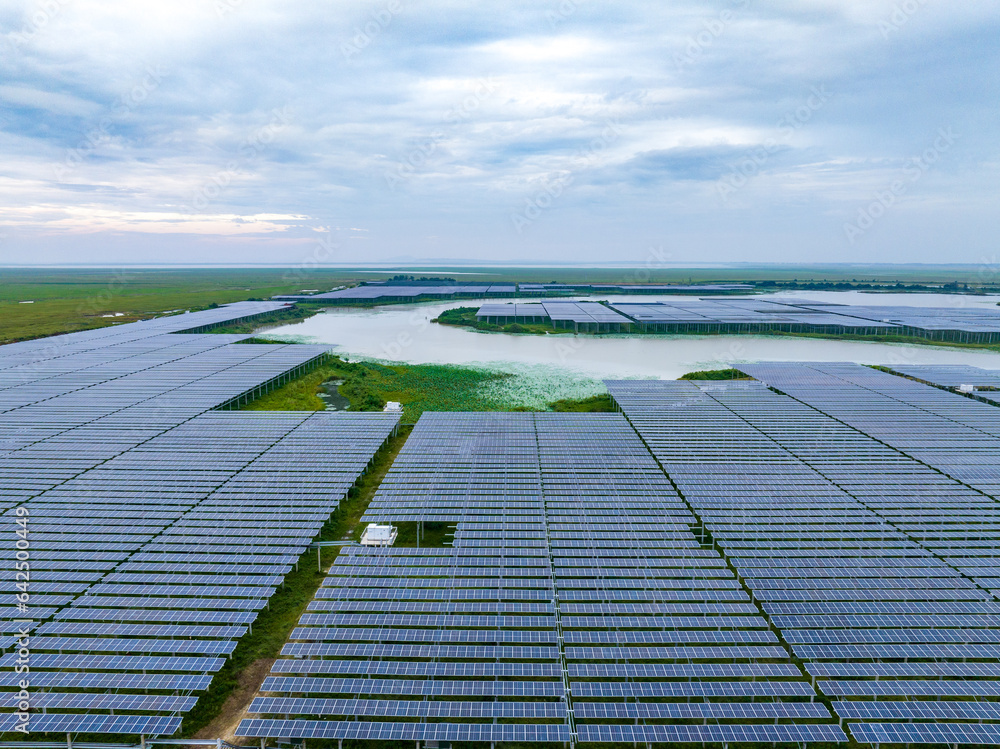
(715,374)
(431,534)
(367,386)
(593,404)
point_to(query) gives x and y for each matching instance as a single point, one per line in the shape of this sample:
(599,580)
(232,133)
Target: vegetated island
(368,386)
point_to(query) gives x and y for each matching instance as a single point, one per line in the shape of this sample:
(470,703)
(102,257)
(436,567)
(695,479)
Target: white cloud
(89,219)
(415,96)
(49,101)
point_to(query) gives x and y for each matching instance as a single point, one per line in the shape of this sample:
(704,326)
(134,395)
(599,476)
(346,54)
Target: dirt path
(235,707)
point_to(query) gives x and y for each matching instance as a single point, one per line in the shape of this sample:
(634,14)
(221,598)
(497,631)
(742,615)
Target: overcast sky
(680,131)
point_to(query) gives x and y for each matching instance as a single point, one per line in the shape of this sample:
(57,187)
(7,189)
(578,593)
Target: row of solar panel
(904,600)
(166,524)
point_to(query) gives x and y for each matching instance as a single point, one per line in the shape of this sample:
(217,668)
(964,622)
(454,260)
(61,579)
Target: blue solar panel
(698,711)
(693,689)
(149,725)
(305,729)
(925,733)
(408,708)
(310,685)
(705,734)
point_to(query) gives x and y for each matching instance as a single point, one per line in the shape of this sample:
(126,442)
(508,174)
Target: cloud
(258,127)
(91,219)
(702,163)
(47,101)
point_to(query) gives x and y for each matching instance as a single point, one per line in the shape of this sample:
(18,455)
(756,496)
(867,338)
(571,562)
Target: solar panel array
(158,529)
(577,603)
(950,375)
(966,324)
(867,561)
(538,289)
(585,316)
(737,315)
(376,293)
(957,436)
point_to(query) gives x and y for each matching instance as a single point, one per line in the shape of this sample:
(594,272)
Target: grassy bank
(275,623)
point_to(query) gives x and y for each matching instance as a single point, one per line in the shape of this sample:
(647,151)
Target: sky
(663,132)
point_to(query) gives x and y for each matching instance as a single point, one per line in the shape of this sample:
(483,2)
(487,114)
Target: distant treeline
(852,285)
(952,287)
(402,280)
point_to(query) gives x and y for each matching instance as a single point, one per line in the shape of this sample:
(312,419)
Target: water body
(330,395)
(404,333)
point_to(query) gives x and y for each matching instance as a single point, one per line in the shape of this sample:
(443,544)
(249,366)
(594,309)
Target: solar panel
(702,734)
(925,733)
(130,476)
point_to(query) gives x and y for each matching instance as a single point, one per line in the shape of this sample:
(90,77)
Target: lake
(404,333)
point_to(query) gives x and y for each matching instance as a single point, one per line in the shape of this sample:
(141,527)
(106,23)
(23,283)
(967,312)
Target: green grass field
(67,300)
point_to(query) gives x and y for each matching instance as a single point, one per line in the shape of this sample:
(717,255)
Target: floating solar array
(579,316)
(541,289)
(577,604)
(964,325)
(735,315)
(714,315)
(860,555)
(378,293)
(756,315)
(156,531)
